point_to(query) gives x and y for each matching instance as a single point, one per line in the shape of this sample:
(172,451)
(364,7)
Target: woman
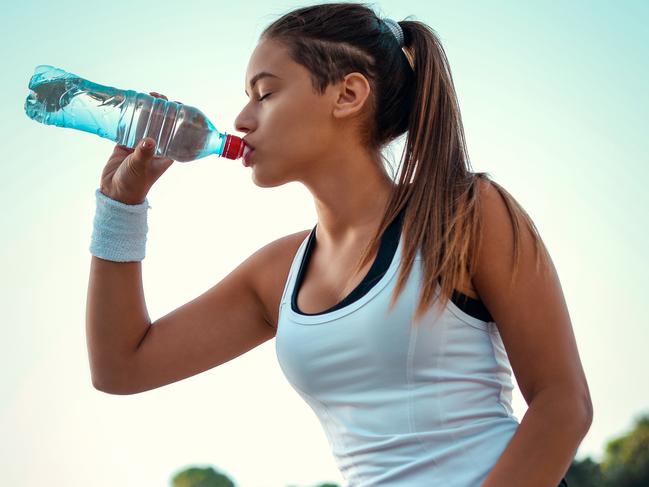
(427,291)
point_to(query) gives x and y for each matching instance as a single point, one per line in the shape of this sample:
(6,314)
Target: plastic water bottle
(182,132)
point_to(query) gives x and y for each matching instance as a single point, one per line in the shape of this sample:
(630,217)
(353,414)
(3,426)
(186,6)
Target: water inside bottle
(182,132)
(58,98)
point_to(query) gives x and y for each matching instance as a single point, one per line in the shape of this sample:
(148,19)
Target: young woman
(401,315)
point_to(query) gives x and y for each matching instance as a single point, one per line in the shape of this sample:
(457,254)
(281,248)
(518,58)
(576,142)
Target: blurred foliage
(585,473)
(625,462)
(201,477)
(626,458)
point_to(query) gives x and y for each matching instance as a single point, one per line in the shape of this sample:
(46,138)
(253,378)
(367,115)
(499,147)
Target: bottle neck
(232,146)
(215,143)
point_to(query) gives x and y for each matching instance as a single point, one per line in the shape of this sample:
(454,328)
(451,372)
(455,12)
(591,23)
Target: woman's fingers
(166,162)
(158,95)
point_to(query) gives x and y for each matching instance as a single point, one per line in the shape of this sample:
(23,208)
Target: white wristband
(119,230)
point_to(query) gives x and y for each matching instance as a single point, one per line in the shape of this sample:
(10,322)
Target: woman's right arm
(116,319)
(128,353)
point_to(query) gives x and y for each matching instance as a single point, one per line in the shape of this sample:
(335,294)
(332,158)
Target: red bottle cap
(233,147)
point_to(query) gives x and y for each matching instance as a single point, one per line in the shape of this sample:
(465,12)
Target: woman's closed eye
(265,96)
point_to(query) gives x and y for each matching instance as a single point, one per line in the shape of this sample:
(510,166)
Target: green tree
(201,477)
(626,458)
(585,473)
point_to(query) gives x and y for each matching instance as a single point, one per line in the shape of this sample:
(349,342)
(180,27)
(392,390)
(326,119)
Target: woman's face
(292,128)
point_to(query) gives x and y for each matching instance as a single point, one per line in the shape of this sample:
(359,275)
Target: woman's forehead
(268,53)
(271,60)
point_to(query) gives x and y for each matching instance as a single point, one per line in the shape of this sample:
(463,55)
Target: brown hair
(411,93)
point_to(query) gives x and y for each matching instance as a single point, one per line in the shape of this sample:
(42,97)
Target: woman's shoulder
(270,269)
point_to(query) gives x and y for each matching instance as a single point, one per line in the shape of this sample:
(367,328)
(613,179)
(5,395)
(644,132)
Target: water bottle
(182,132)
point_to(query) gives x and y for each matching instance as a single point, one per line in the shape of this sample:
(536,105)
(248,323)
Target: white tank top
(401,405)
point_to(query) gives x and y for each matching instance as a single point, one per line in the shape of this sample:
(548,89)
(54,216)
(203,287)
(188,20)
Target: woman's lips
(246,157)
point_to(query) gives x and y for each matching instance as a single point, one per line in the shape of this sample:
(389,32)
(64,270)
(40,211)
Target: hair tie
(396,29)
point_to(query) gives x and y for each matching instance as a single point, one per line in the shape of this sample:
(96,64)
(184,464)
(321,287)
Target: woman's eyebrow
(258,76)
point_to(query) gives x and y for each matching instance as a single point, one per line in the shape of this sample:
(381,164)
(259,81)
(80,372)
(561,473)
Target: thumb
(147,147)
(143,151)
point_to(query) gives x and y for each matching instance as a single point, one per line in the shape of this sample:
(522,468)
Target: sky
(554,103)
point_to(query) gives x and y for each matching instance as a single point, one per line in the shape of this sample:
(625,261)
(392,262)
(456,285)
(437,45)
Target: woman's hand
(129,173)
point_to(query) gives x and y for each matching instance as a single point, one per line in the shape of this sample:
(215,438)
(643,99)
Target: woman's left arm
(534,324)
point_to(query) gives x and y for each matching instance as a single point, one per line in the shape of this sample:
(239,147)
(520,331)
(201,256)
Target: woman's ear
(350,95)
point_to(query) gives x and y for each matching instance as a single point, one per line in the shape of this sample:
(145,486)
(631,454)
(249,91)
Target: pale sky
(554,104)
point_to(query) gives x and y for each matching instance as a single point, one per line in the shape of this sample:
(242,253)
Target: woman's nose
(243,123)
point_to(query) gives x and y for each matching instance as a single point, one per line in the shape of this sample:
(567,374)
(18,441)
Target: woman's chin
(265,180)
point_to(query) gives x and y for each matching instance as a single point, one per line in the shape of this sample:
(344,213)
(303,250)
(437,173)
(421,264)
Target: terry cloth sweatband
(119,230)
